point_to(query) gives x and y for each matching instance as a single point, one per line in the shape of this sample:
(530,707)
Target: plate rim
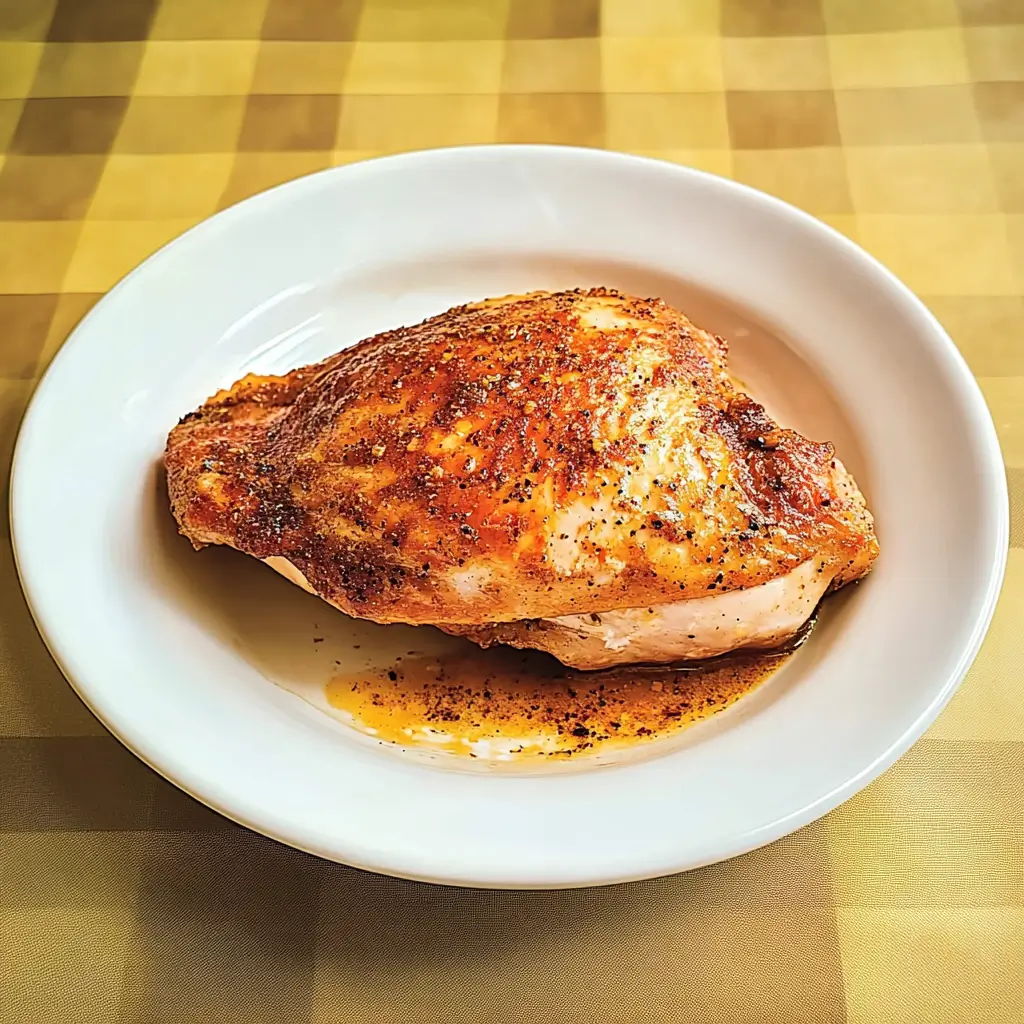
(993,482)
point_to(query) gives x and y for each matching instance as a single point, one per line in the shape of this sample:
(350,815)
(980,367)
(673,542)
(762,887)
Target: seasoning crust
(518,458)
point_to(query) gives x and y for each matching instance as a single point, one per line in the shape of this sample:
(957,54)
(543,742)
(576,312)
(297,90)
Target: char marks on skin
(520,458)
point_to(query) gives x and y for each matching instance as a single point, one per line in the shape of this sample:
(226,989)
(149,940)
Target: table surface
(899,122)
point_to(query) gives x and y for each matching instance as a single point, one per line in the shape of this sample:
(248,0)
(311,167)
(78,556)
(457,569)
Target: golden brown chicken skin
(522,458)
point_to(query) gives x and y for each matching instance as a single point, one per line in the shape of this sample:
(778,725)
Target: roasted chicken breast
(571,471)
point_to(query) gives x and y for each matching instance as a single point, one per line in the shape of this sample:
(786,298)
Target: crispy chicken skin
(525,458)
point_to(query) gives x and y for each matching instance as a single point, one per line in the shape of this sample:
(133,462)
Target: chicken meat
(575,472)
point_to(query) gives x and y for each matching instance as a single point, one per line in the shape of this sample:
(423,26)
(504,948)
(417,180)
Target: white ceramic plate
(176,651)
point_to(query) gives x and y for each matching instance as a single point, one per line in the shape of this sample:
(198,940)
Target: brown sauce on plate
(508,704)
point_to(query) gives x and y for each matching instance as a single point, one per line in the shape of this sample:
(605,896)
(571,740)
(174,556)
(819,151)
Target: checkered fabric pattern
(123,122)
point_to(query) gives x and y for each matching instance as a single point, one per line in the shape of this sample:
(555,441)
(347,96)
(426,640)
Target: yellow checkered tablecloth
(900,122)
